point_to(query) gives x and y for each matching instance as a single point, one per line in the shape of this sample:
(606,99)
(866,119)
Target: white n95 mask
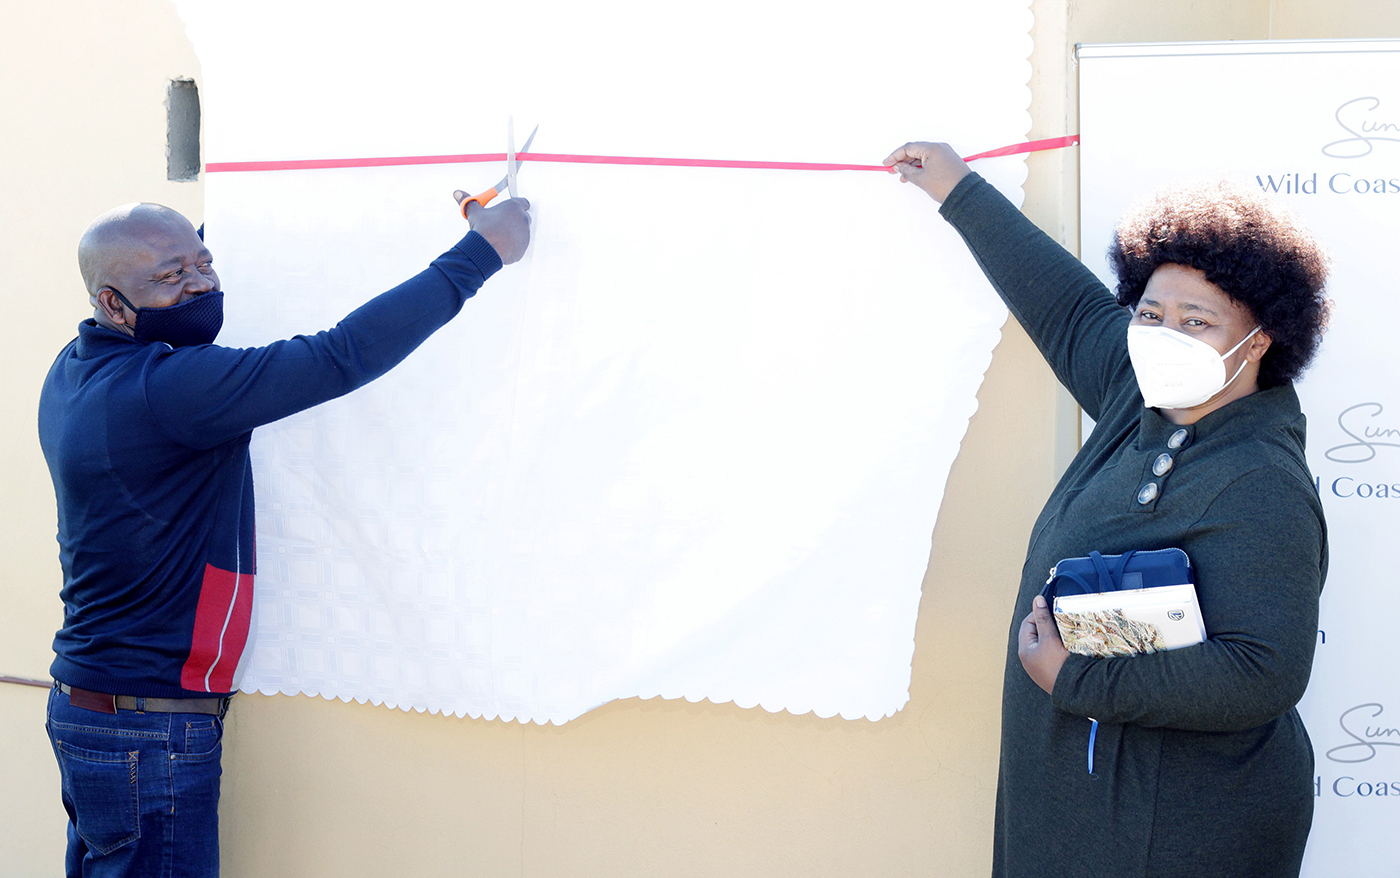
(1175,370)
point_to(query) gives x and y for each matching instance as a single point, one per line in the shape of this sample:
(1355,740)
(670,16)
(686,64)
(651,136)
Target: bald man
(145,425)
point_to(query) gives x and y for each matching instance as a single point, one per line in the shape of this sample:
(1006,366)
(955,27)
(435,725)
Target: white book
(1133,622)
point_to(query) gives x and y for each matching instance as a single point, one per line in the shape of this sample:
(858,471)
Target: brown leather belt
(101,702)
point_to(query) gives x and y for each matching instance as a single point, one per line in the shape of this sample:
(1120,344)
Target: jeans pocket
(102,787)
(202,739)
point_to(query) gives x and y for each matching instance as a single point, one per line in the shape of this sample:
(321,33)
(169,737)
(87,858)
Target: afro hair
(1245,245)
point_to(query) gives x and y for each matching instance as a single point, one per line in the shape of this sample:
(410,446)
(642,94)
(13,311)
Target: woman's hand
(933,167)
(1039,646)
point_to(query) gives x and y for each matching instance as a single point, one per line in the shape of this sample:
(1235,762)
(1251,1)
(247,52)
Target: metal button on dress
(1148,493)
(1178,439)
(1162,465)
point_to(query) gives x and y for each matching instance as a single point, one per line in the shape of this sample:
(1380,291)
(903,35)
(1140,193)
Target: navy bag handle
(1110,578)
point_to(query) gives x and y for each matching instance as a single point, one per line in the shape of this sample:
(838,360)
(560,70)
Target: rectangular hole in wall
(182,130)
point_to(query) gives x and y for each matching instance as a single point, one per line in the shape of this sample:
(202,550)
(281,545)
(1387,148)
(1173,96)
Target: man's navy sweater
(148,449)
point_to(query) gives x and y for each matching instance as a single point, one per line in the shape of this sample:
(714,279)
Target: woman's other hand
(933,167)
(1039,646)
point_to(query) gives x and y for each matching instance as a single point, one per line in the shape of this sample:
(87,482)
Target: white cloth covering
(694,444)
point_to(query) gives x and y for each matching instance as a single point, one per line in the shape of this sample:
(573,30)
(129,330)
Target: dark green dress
(1202,765)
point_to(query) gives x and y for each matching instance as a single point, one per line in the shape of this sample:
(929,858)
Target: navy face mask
(196,321)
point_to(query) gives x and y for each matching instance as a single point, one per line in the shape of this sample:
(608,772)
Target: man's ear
(111,306)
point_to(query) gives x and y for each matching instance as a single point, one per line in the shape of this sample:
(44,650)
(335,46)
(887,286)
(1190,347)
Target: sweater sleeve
(209,394)
(1260,553)
(1079,327)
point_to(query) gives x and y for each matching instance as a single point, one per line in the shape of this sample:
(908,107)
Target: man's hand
(933,167)
(1039,646)
(505,225)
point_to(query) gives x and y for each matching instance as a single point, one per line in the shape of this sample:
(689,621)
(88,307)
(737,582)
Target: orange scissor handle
(483,199)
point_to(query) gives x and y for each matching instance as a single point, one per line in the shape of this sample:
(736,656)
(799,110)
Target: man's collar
(95,339)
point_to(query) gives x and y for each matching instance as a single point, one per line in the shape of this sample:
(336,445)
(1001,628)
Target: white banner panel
(1317,124)
(694,444)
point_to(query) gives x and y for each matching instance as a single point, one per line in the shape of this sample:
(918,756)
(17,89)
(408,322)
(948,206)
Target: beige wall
(318,788)
(82,129)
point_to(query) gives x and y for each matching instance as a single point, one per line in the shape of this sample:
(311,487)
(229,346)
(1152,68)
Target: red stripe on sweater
(221,622)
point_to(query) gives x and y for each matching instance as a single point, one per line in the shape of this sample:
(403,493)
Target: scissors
(508,181)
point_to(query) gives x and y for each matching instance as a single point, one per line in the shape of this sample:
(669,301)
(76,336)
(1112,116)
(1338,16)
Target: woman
(1202,765)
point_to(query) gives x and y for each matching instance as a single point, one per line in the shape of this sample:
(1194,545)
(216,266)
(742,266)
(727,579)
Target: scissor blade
(529,140)
(507,183)
(510,154)
(512,160)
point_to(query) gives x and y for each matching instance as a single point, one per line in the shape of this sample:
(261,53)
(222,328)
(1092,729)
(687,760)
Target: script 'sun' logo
(1367,437)
(1357,118)
(1366,739)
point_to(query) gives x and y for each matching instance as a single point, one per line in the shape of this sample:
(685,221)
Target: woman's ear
(1258,346)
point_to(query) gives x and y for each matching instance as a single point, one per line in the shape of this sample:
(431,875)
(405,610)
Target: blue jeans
(141,790)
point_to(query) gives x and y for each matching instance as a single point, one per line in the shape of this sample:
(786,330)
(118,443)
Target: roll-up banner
(1316,124)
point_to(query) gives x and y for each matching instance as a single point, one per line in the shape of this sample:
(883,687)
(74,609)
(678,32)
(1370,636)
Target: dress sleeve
(206,395)
(1260,554)
(1079,327)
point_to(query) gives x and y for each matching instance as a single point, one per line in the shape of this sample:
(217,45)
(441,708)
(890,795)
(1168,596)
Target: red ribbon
(312,164)
(1032,146)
